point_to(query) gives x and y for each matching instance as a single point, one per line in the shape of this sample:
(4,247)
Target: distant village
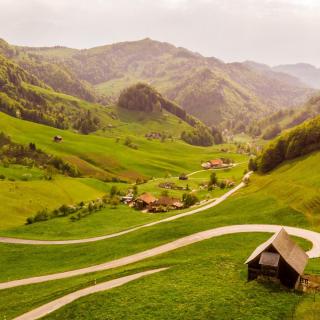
(217,164)
(147,202)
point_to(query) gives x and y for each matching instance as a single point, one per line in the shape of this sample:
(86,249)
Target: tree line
(294,143)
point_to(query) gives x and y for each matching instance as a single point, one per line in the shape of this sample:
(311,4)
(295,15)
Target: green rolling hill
(211,90)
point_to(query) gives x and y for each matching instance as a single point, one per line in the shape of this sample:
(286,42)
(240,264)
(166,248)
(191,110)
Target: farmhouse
(164,204)
(57,138)
(216,163)
(279,258)
(144,200)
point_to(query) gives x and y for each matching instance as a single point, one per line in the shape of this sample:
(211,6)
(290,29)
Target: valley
(136,178)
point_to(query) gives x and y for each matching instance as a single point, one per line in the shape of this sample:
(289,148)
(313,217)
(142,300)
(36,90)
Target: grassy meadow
(24,191)
(109,220)
(250,205)
(99,156)
(205,279)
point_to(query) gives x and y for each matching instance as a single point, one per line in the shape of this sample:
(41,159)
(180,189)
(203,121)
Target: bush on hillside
(189,199)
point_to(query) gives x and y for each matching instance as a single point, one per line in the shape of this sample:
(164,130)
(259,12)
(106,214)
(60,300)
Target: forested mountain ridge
(274,124)
(296,142)
(54,74)
(24,96)
(216,92)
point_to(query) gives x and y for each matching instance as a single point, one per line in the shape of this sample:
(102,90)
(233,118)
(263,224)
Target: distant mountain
(307,73)
(24,96)
(55,75)
(229,95)
(281,120)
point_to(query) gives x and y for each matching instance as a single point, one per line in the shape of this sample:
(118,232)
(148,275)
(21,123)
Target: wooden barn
(144,200)
(57,139)
(278,258)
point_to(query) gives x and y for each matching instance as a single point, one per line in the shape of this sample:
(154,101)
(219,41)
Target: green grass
(21,199)
(21,173)
(245,208)
(204,282)
(258,203)
(99,156)
(114,87)
(263,201)
(107,221)
(295,183)
(103,222)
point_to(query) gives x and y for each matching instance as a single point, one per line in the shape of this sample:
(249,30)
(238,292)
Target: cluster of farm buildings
(216,164)
(150,203)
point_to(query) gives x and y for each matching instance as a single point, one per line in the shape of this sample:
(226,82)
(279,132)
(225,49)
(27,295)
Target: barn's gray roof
(287,249)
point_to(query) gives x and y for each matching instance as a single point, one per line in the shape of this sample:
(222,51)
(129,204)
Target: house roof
(216,161)
(287,249)
(269,259)
(147,198)
(167,201)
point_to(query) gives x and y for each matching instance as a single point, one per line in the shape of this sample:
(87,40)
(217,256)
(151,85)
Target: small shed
(278,258)
(57,139)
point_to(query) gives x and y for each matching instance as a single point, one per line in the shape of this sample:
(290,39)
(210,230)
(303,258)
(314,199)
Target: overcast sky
(269,31)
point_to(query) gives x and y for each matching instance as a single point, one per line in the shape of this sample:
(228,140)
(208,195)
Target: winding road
(60,302)
(311,236)
(47,308)
(113,235)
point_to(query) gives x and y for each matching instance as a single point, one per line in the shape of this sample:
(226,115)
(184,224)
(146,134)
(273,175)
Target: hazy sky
(270,31)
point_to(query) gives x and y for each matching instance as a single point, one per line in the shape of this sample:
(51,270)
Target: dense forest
(24,96)
(291,144)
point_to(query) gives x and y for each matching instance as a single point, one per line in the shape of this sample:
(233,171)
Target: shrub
(213,179)
(189,199)
(252,166)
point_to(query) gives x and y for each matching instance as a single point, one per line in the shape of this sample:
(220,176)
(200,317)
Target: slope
(53,73)
(205,87)
(102,155)
(307,73)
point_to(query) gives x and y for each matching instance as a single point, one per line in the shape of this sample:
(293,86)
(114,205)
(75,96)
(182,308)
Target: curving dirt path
(113,235)
(59,303)
(311,236)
